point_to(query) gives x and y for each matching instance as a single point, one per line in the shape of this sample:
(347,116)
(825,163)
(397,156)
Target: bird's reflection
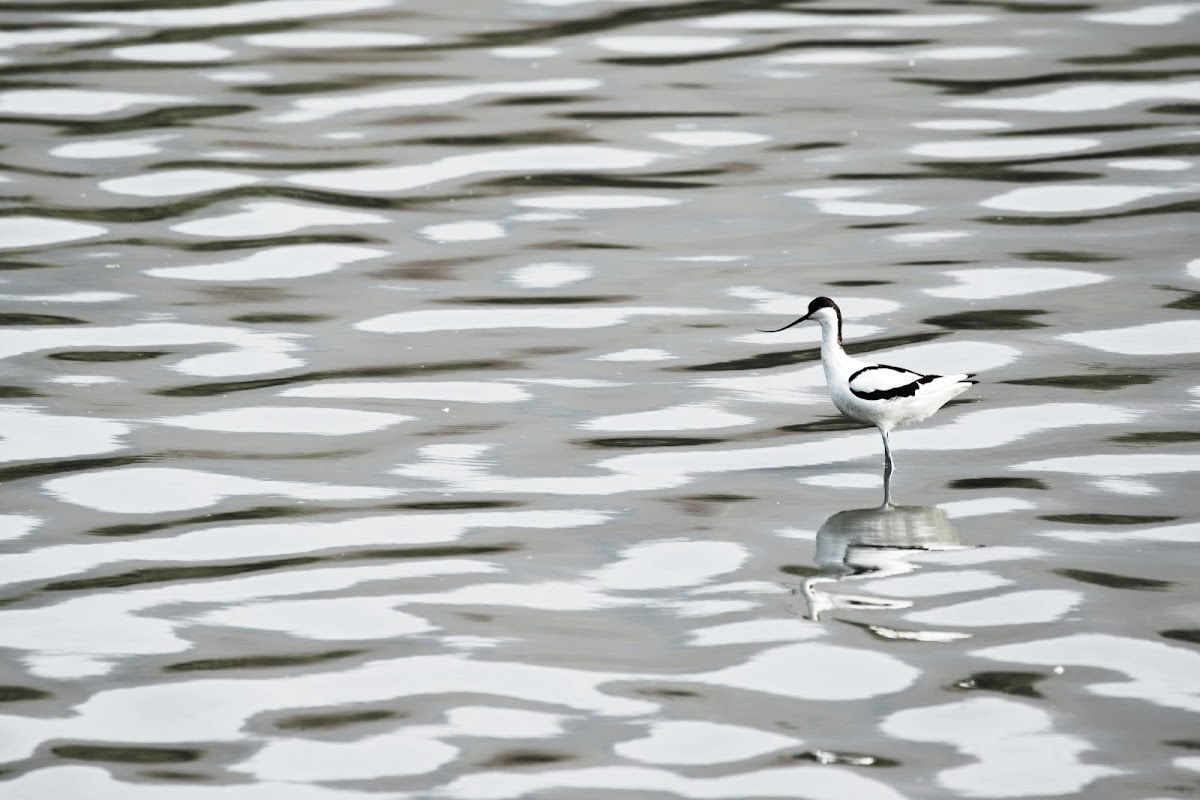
(875,542)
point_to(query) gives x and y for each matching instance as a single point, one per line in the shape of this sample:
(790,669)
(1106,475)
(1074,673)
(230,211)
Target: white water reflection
(153,490)
(760,21)
(172,183)
(239,14)
(534,317)
(322,40)
(529,159)
(467,231)
(1153,338)
(993,282)
(1164,14)
(1010,147)
(686,417)
(29,433)
(450,391)
(665,45)
(1015,751)
(310,109)
(36,231)
(77,102)
(271,218)
(287,419)
(1071,198)
(274,263)
(694,742)
(794,783)
(174,53)
(700,138)
(112,148)
(253,351)
(1156,672)
(1090,97)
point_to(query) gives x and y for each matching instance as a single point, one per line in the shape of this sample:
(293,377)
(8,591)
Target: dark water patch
(286,167)
(261,661)
(562,300)
(665,692)
(460,430)
(39,469)
(828,757)
(875,226)
(714,498)
(1189,302)
(8,392)
(1186,744)
(1088,518)
(998,483)
(38,319)
(440,551)
(258,512)
(243,455)
(406,371)
(457,505)
(267,318)
(825,425)
(1143,438)
(148,575)
(1141,55)
(623,115)
(992,171)
(998,319)
(1078,130)
(336,719)
(238,293)
(550,351)
(765,50)
(19,694)
(519,138)
(1182,207)
(1040,8)
(313,87)
(802,146)
(524,758)
(1066,256)
(589,180)
(103,356)
(808,354)
(1189,635)
(1018,684)
(1187,109)
(1110,580)
(177,117)
(650,441)
(800,570)
(572,244)
(262,243)
(542,100)
(434,269)
(934,262)
(173,775)
(7,264)
(967,87)
(1097,382)
(862,282)
(127,754)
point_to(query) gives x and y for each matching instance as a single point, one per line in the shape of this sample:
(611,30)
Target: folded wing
(882,382)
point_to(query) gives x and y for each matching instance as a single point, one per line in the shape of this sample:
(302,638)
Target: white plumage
(882,395)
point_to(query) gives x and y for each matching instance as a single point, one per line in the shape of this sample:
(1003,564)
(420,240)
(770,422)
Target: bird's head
(821,309)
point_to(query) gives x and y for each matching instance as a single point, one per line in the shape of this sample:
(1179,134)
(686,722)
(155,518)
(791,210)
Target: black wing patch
(882,382)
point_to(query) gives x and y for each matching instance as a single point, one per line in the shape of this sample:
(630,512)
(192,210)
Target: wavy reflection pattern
(383,411)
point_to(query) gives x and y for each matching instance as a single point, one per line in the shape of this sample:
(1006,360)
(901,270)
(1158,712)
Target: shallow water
(384,413)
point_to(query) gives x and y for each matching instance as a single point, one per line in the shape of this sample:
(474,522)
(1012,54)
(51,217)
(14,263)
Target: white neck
(837,362)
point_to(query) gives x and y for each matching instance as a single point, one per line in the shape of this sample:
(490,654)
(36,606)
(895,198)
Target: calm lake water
(384,415)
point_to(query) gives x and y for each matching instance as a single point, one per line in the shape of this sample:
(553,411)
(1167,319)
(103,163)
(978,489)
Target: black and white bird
(880,394)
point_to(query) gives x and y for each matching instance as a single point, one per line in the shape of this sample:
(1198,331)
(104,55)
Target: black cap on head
(820,302)
(816,305)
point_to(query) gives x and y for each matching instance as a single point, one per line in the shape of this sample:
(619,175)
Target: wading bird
(882,395)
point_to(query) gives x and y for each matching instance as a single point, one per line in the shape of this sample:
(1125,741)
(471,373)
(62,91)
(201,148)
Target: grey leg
(889,464)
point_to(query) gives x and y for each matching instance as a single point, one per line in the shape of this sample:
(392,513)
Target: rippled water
(384,414)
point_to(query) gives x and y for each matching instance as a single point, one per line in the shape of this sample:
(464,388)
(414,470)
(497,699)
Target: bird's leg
(888,463)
